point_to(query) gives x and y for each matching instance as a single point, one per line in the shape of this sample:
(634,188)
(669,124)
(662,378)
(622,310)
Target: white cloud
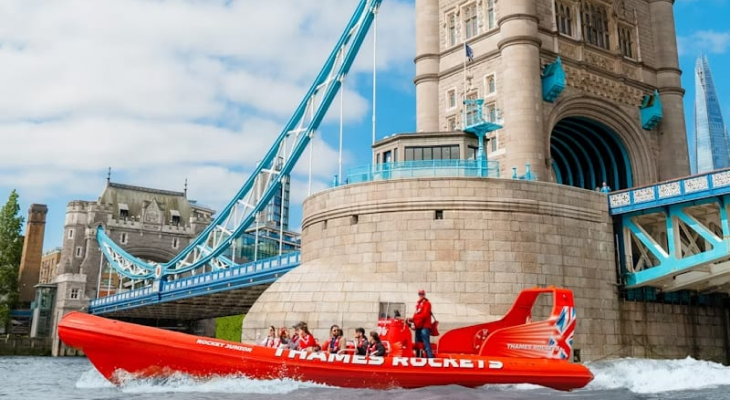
(164,90)
(704,42)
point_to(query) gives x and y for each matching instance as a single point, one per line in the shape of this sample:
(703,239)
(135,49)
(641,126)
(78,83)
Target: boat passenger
(294,341)
(335,343)
(283,339)
(361,342)
(270,339)
(306,339)
(376,347)
(421,321)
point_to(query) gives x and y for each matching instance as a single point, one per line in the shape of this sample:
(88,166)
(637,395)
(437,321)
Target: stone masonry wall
(650,330)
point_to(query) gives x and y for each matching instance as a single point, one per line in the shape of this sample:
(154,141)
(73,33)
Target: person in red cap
(422,322)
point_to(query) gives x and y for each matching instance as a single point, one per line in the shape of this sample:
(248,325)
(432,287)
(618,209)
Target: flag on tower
(469,52)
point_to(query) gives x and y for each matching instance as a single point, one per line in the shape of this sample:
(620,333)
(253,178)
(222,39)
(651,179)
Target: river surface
(75,378)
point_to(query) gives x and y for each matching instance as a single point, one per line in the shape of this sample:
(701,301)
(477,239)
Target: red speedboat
(512,350)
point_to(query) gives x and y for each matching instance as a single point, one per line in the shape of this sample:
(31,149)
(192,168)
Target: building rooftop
(160,205)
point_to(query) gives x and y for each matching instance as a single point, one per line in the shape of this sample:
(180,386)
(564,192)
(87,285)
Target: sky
(167,90)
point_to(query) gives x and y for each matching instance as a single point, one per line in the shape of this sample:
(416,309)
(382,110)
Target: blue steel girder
(586,161)
(558,174)
(569,171)
(597,154)
(164,290)
(693,256)
(590,129)
(206,252)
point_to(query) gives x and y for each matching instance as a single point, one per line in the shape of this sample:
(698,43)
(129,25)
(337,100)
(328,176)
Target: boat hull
(145,352)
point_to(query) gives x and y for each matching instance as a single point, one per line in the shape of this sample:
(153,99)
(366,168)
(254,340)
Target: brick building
(49,265)
(30,261)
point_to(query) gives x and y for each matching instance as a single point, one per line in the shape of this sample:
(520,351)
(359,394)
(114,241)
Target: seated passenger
(376,347)
(306,340)
(270,339)
(335,343)
(294,341)
(361,342)
(283,339)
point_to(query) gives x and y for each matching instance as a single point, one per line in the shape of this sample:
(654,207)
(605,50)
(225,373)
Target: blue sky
(162,91)
(703,28)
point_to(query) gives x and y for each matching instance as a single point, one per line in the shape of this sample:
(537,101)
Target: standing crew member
(422,322)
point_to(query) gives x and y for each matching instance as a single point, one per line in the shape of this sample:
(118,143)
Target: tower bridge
(523,109)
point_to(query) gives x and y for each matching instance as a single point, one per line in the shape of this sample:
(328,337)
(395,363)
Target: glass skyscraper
(709,149)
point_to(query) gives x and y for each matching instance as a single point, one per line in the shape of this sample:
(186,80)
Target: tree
(11,250)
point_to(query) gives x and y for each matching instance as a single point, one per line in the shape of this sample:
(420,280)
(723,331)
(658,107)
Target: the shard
(709,149)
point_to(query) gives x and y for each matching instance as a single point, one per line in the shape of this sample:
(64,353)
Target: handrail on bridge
(670,192)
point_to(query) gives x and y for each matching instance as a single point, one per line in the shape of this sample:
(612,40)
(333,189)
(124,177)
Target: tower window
(124,238)
(175,243)
(70,234)
(491,84)
(626,41)
(451,27)
(451,98)
(79,251)
(595,26)
(439,214)
(493,142)
(491,14)
(175,217)
(472,113)
(451,124)
(471,26)
(123,211)
(75,292)
(564,18)
(490,112)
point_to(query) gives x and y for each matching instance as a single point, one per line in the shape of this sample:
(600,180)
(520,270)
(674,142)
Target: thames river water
(75,378)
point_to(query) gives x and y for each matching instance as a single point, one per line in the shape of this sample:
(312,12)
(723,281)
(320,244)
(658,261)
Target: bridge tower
(585,92)
(589,91)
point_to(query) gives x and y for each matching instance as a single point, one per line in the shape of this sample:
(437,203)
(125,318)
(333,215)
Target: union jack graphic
(562,341)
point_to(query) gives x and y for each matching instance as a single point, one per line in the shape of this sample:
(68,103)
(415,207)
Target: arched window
(596,26)
(626,41)
(564,18)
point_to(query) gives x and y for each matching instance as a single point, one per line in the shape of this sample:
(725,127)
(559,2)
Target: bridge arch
(591,141)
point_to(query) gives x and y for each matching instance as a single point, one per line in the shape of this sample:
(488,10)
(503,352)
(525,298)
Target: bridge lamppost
(475,123)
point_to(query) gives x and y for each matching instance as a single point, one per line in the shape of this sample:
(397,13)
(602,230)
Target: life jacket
(334,345)
(306,341)
(362,343)
(373,348)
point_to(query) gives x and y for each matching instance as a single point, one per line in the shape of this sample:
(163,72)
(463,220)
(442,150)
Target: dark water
(75,378)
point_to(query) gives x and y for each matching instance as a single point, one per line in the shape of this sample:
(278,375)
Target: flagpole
(465,57)
(463,100)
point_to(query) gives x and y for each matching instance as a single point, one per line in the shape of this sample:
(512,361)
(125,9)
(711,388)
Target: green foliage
(229,328)
(11,249)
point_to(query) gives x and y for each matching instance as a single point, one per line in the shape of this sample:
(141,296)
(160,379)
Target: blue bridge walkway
(674,235)
(214,294)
